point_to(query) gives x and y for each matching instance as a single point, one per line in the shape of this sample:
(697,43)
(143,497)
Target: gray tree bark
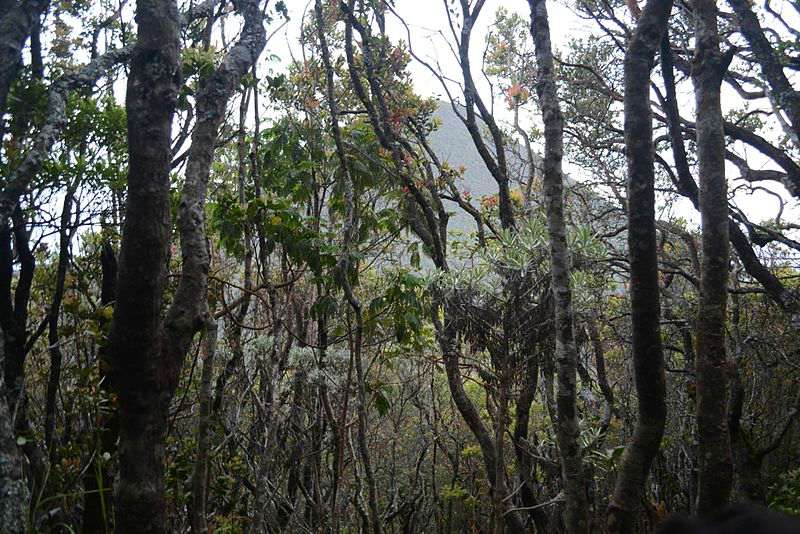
(138,375)
(715,465)
(568,430)
(13,490)
(648,356)
(16,24)
(148,356)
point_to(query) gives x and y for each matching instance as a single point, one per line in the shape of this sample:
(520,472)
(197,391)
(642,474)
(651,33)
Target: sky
(427,21)
(428,24)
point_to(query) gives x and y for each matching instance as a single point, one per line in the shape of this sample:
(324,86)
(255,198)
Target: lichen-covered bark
(715,467)
(135,340)
(197,513)
(13,490)
(16,25)
(188,313)
(147,357)
(648,357)
(568,431)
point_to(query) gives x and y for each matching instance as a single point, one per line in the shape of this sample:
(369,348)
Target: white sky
(427,20)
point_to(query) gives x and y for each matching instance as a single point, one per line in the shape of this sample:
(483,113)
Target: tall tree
(577,506)
(715,473)
(648,357)
(145,388)
(138,374)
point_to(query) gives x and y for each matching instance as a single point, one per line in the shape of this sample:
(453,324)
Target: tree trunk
(135,340)
(349,231)
(13,323)
(648,357)
(748,483)
(527,394)
(715,467)
(145,390)
(54,377)
(16,24)
(99,479)
(577,506)
(688,188)
(197,514)
(14,491)
(448,343)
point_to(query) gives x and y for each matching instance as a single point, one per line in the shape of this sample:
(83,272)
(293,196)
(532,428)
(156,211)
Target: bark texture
(648,357)
(715,467)
(147,357)
(138,376)
(13,490)
(568,430)
(197,514)
(17,21)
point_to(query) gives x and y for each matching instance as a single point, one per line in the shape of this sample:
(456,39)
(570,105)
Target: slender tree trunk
(715,466)
(349,232)
(648,357)
(16,24)
(197,513)
(523,403)
(234,329)
(687,187)
(14,307)
(13,322)
(448,343)
(602,378)
(13,490)
(54,376)
(99,479)
(577,506)
(748,482)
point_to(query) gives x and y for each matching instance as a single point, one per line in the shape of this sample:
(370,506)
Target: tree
(140,377)
(648,359)
(423,324)
(714,453)
(566,354)
(146,387)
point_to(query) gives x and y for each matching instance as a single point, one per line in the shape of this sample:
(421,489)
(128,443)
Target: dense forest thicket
(241,293)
